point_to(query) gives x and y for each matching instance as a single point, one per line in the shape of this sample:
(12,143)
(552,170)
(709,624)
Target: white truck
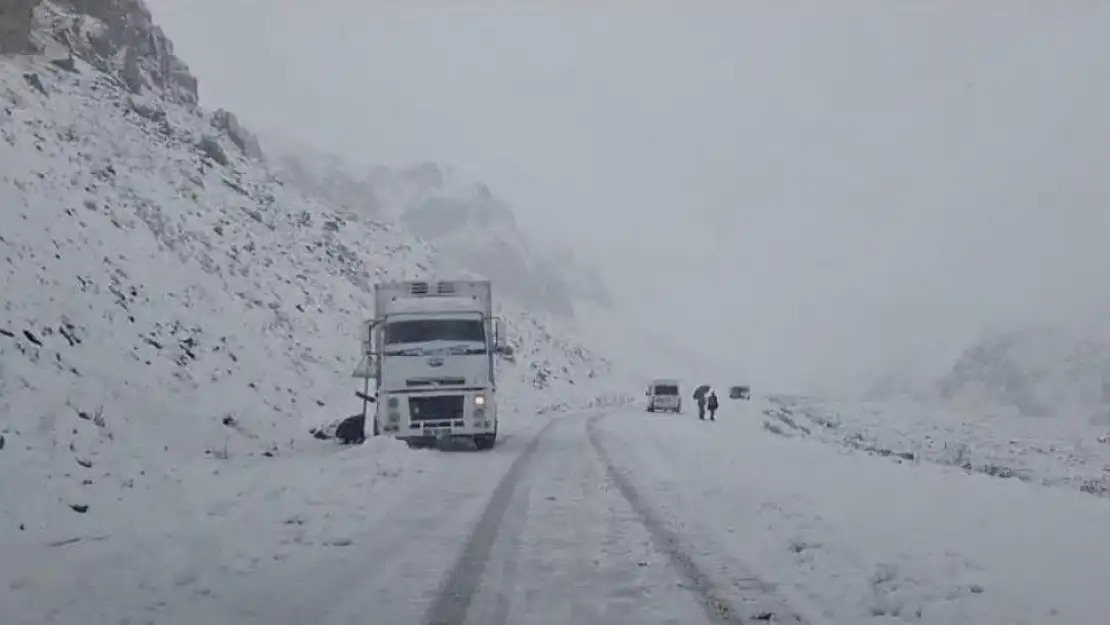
(431,352)
(663,395)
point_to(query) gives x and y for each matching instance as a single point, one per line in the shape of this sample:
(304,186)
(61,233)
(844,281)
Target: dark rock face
(1039,371)
(246,142)
(119,37)
(15,25)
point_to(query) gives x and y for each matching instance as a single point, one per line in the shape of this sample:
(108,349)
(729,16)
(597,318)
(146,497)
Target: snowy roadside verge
(207,522)
(1049,452)
(852,539)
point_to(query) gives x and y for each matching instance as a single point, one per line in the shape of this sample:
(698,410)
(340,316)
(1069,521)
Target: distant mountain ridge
(461,217)
(1032,370)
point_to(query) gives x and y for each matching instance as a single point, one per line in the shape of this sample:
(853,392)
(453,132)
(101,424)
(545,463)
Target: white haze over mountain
(462,217)
(806,190)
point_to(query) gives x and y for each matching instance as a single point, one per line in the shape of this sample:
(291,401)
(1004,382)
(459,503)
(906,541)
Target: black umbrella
(700,391)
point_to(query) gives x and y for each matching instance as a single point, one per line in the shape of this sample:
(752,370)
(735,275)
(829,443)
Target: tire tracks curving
(712,597)
(453,601)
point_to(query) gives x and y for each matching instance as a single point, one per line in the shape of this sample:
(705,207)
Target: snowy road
(564,542)
(614,519)
(536,532)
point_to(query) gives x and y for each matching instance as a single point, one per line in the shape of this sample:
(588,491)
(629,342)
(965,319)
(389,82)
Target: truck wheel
(485,441)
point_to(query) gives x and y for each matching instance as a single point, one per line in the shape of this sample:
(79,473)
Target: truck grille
(438,407)
(435,382)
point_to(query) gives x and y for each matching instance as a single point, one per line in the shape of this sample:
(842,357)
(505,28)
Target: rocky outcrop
(119,37)
(1038,371)
(247,143)
(15,25)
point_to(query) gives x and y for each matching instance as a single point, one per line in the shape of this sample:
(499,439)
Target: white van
(664,396)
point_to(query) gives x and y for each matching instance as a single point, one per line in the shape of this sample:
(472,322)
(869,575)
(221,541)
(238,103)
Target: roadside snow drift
(1058,452)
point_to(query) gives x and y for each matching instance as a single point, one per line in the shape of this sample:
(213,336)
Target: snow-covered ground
(1062,452)
(851,538)
(596,517)
(174,318)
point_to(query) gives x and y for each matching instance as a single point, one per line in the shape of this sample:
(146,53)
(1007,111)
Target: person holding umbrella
(699,396)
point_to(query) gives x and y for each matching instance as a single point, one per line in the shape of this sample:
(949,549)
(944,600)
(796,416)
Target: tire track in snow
(453,601)
(570,549)
(714,601)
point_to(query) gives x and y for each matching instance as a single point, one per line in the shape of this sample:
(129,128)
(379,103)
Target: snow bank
(1051,452)
(218,538)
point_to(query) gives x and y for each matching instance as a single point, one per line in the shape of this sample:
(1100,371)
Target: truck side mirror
(504,349)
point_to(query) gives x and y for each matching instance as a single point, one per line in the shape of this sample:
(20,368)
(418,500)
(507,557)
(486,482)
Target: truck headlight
(479,400)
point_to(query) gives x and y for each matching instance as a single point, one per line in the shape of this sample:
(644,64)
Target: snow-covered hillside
(463,218)
(1042,371)
(166,298)
(1038,371)
(1030,403)
(995,442)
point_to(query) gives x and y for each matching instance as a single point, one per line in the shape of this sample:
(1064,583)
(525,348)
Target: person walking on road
(701,406)
(713,405)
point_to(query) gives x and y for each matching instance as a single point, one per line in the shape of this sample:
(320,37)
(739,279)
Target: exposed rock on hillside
(1034,371)
(15,25)
(1041,371)
(119,37)
(243,139)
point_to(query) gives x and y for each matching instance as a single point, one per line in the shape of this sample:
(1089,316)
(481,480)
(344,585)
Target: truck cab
(664,396)
(431,352)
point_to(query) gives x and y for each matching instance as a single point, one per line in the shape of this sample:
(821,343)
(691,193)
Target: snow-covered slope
(463,218)
(1030,403)
(1038,371)
(1042,371)
(165,297)
(1067,453)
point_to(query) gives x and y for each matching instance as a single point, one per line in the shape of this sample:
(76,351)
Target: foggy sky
(805,189)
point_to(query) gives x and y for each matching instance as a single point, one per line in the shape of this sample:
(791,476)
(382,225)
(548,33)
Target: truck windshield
(666,389)
(421,330)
